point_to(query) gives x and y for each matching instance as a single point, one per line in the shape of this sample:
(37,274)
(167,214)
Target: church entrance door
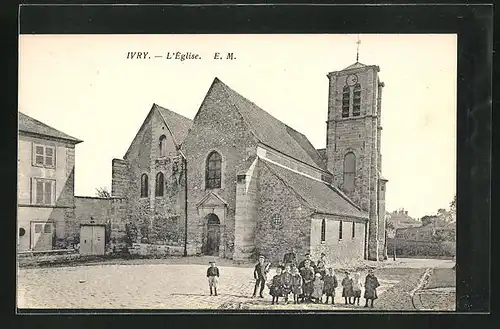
(213,234)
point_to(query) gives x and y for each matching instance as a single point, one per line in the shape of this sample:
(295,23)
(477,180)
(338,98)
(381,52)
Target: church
(236,182)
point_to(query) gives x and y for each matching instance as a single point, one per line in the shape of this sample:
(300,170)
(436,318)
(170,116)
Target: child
(371,284)
(213,277)
(296,284)
(330,285)
(318,286)
(347,292)
(307,273)
(286,283)
(320,268)
(356,288)
(275,287)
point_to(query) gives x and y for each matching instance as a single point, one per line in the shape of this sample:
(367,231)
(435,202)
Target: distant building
(400,219)
(46,175)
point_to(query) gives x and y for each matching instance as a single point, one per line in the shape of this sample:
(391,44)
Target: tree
(103,192)
(426,220)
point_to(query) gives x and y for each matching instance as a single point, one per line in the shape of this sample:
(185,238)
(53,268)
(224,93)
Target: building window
(382,188)
(340,230)
(44,190)
(345,102)
(349,171)
(353,230)
(323,230)
(38,228)
(160,181)
(47,228)
(213,170)
(276,221)
(144,185)
(356,101)
(163,146)
(44,156)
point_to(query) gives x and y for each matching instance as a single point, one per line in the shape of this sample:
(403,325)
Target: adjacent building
(46,175)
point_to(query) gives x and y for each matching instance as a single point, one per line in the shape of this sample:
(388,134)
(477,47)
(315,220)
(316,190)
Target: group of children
(306,282)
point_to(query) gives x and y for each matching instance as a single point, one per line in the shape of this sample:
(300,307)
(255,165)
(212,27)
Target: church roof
(318,195)
(178,124)
(272,132)
(30,125)
(356,65)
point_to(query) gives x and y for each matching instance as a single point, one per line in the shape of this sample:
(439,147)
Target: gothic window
(349,171)
(144,185)
(345,102)
(323,230)
(340,230)
(163,146)
(213,170)
(160,182)
(356,101)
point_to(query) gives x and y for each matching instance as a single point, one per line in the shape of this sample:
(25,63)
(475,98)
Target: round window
(22,231)
(276,221)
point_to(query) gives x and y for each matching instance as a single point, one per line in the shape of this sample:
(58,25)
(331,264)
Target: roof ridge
(172,111)
(65,135)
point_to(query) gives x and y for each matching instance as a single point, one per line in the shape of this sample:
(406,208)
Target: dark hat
(211,262)
(323,254)
(307,254)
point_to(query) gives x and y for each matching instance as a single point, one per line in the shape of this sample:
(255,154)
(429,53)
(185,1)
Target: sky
(85,86)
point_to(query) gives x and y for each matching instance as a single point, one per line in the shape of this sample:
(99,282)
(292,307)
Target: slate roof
(178,124)
(272,132)
(30,125)
(317,195)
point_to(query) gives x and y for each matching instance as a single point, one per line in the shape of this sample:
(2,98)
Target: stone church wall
(275,198)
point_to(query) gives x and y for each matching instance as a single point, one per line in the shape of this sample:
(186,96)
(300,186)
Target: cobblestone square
(170,286)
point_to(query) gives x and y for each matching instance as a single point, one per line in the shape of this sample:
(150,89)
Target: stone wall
(338,250)
(275,198)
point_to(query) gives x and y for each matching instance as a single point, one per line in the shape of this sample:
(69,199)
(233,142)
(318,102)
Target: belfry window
(356,101)
(213,170)
(349,171)
(345,102)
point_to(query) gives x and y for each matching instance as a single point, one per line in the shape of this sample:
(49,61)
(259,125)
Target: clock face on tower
(352,79)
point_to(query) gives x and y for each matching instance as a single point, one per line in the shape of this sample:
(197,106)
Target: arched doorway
(213,234)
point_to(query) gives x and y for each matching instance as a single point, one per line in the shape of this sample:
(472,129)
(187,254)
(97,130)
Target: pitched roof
(178,124)
(355,66)
(30,125)
(273,132)
(318,195)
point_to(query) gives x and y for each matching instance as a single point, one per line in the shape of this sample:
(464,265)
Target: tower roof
(356,65)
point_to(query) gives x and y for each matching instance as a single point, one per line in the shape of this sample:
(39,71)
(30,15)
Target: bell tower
(353,145)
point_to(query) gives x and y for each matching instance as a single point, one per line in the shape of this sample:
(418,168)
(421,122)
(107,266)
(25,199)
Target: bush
(421,248)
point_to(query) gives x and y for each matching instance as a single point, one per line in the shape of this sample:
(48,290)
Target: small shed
(92,239)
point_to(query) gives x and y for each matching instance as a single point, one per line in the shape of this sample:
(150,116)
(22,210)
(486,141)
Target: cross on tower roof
(357,50)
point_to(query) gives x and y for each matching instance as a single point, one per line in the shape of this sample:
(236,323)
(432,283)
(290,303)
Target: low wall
(155,250)
(412,248)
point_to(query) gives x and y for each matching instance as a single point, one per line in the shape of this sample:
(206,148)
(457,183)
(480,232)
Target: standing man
(289,257)
(260,275)
(308,259)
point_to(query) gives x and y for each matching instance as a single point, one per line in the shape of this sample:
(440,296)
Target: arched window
(345,102)
(340,230)
(213,170)
(356,101)
(160,181)
(144,185)
(163,146)
(323,230)
(349,171)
